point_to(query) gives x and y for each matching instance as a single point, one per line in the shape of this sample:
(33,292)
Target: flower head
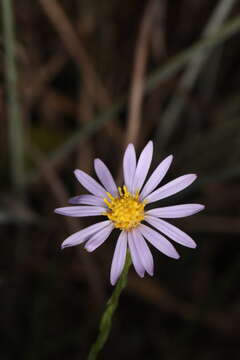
(125,209)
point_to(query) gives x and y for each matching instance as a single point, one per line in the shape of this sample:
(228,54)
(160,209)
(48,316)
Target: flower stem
(106,320)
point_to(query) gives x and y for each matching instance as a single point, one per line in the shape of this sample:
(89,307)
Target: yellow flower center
(125,210)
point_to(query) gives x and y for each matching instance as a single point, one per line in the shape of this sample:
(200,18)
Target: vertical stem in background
(171,115)
(15,128)
(106,320)
(138,77)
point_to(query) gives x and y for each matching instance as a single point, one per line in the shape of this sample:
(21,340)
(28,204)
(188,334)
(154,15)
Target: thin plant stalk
(15,128)
(170,68)
(112,304)
(171,115)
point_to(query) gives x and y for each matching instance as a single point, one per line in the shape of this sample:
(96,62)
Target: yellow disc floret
(125,210)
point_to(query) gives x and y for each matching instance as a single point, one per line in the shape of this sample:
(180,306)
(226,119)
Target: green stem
(106,320)
(14,117)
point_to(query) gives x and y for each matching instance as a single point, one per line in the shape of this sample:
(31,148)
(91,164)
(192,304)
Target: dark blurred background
(80,79)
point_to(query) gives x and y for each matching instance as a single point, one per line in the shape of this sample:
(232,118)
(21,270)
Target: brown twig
(76,50)
(85,115)
(137,86)
(45,74)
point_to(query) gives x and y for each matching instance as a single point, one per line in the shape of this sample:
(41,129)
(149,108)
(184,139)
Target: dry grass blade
(171,115)
(15,125)
(140,62)
(45,75)
(77,51)
(170,68)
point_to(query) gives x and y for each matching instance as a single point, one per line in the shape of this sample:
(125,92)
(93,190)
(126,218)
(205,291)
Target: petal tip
(58,211)
(130,146)
(89,248)
(96,161)
(175,255)
(63,246)
(191,244)
(113,281)
(77,172)
(150,144)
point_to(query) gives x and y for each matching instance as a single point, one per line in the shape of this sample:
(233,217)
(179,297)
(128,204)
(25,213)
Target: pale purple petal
(80,211)
(156,177)
(87,200)
(171,188)
(99,238)
(143,166)
(129,166)
(105,176)
(171,231)
(84,234)
(143,251)
(134,255)
(119,257)
(90,184)
(176,211)
(159,241)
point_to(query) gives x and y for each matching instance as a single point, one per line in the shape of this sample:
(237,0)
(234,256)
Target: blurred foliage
(75,63)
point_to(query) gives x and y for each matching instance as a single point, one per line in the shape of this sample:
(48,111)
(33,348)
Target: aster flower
(125,208)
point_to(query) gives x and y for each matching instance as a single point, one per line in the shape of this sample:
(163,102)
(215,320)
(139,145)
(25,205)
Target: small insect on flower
(125,208)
